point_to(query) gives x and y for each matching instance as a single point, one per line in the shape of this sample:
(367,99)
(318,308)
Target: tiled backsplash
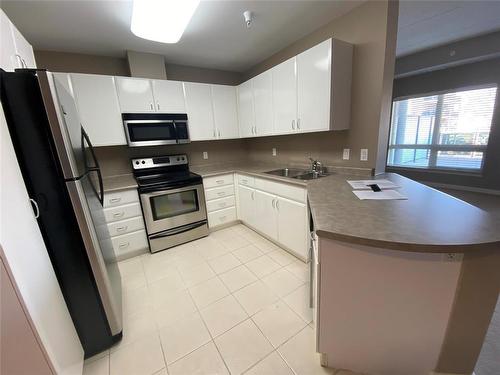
(115,160)
(292,150)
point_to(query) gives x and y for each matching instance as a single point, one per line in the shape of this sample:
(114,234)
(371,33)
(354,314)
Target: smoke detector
(248,18)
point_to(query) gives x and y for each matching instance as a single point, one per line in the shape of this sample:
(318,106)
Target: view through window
(442,131)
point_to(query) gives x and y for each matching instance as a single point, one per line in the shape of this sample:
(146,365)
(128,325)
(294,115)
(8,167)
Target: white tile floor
(230,303)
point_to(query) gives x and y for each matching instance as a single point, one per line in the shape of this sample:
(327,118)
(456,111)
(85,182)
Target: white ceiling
(425,24)
(215,38)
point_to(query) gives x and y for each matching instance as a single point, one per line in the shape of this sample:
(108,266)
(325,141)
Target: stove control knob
(178,159)
(137,162)
(143,162)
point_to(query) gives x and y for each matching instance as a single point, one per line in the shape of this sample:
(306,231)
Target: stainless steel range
(172,200)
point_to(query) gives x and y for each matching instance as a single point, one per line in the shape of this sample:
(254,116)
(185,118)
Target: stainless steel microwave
(155,129)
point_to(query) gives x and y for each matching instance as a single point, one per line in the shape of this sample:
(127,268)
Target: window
(442,131)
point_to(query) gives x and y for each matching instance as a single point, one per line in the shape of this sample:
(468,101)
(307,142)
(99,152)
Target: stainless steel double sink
(298,174)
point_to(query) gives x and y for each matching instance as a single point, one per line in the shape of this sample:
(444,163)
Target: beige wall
(80,63)
(366,28)
(193,74)
(115,160)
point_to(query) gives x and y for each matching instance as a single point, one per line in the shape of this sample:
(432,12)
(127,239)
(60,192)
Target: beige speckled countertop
(428,221)
(118,182)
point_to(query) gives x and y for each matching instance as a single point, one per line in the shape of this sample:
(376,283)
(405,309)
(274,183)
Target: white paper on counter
(363,184)
(379,195)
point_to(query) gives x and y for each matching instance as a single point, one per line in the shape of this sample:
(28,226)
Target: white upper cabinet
(99,110)
(285,96)
(263,103)
(313,87)
(246,110)
(15,51)
(225,111)
(169,96)
(135,95)
(199,111)
(24,50)
(7,47)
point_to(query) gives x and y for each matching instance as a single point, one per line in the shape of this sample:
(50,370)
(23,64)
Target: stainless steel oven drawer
(173,237)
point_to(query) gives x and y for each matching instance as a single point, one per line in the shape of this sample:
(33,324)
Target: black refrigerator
(64,182)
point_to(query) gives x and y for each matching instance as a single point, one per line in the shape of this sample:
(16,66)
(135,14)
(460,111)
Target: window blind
(448,130)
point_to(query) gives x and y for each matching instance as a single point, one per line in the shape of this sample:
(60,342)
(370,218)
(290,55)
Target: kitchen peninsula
(420,269)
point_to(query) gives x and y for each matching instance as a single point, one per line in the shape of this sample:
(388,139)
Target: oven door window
(155,131)
(174,204)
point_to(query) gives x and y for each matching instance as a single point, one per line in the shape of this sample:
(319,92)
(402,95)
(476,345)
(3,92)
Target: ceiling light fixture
(162,20)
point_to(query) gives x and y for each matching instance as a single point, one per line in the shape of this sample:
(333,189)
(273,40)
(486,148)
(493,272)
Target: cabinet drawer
(220,192)
(117,198)
(296,193)
(246,180)
(224,179)
(122,212)
(126,226)
(130,243)
(219,204)
(221,217)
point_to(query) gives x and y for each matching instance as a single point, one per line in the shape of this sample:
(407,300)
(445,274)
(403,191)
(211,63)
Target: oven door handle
(163,191)
(175,231)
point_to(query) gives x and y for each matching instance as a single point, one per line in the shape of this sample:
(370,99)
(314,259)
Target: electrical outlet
(205,155)
(364,154)
(274,151)
(345,154)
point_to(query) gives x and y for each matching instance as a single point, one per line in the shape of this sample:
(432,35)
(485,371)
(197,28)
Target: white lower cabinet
(125,223)
(220,200)
(246,205)
(281,219)
(265,213)
(292,225)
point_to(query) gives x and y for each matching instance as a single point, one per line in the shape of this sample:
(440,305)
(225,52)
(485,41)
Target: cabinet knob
(151,106)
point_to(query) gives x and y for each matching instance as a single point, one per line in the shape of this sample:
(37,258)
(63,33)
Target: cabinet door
(225,111)
(246,110)
(263,103)
(265,214)
(99,110)
(135,95)
(8,60)
(246,205)
(200,111)
(169,96)
(285,97)
(313,87)
(23,49)
(293,226)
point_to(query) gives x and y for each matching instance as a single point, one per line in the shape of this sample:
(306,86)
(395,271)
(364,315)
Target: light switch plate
(205,155)
(364,154)
(345,154)
(274,151)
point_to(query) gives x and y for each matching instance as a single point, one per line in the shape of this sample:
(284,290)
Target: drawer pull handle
(220,181)
(124,245)
(122,229)
(119,214)
(221,193)
(115,200)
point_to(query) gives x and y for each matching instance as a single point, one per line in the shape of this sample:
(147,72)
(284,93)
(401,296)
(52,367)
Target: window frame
(435,147)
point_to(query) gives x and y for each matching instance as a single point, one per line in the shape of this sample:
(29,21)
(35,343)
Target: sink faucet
(316,166)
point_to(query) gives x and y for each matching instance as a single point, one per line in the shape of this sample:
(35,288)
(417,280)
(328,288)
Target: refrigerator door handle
(36,209)
(95,167)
